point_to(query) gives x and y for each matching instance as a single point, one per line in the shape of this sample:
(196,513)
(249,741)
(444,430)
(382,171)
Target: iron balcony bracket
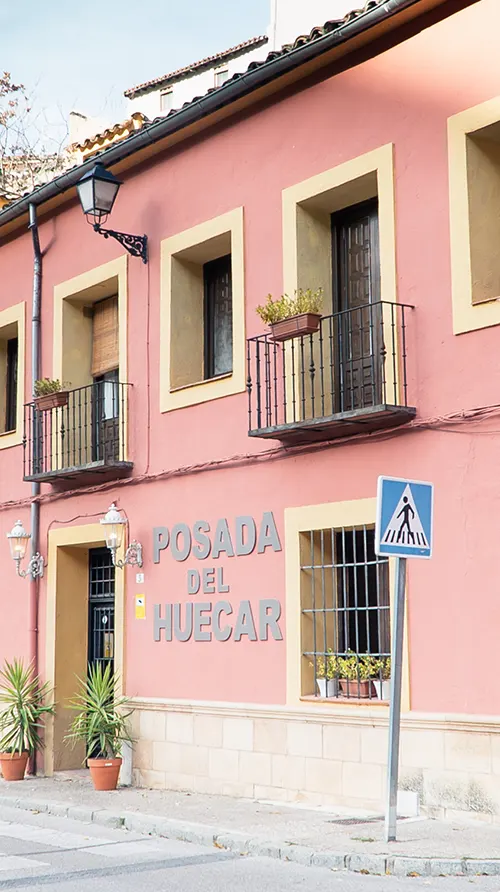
(137,245)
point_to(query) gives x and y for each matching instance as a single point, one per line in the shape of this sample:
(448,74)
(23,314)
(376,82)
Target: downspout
(35,487)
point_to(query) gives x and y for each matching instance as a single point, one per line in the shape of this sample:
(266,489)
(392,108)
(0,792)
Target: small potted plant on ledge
(22,704)
(101,723)
(290,317)
(355,674)
(382,679)
(326,677)
(49,394)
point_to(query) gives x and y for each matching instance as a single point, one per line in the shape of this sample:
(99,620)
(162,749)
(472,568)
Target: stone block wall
(319,757)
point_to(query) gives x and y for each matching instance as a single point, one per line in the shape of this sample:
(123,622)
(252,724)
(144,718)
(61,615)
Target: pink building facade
(369,169)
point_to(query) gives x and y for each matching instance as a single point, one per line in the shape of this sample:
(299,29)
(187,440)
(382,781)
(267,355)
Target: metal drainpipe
(35,487)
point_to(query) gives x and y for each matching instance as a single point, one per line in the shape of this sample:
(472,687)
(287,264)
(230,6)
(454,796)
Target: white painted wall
(290,18)
(197,85)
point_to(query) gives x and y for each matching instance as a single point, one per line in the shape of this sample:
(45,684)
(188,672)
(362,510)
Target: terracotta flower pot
(354,688)
(303,324)
(51,400)
(13,765)
(104,773)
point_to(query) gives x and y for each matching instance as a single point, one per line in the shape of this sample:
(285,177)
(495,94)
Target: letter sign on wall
(218,620)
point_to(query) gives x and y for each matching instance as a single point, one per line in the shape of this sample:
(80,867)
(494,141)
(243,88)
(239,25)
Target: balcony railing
(349,376)
(85,435)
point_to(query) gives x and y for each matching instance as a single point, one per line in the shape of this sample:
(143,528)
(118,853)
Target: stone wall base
(320,757)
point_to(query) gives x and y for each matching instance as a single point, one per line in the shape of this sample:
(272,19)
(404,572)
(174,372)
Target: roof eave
(222,101)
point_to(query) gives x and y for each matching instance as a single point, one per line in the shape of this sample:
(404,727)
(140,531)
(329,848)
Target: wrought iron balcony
(85,435)
(348,377)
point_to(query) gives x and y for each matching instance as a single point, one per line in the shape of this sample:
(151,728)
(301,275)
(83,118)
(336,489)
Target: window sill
(8,433)
(345,701)
(201,383)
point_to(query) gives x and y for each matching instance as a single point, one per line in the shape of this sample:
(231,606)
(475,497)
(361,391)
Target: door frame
(59,542)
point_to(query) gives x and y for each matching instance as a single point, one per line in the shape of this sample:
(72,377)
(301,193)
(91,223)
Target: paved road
(43,853)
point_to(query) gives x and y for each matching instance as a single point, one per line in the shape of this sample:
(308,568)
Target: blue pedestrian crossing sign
(404,518)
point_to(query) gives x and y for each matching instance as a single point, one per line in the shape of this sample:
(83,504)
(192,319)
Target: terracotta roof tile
(196,67)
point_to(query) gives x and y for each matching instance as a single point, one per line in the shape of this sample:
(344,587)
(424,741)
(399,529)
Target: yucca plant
(101,717)
(23,703)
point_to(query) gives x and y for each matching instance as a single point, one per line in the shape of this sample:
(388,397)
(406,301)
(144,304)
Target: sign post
(403,530)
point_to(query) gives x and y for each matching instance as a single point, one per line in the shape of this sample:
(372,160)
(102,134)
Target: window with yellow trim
(203,313)
(11,375)
(345,614)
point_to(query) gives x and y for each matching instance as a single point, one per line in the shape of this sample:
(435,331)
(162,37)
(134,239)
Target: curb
(242,844)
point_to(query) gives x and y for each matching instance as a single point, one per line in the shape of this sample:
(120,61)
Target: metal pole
(395,711)
(35,487)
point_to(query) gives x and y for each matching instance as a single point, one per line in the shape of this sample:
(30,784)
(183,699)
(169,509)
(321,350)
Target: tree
(31,147)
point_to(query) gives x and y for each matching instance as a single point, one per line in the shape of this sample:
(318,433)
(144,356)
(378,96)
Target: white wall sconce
(114,525)
(18,542)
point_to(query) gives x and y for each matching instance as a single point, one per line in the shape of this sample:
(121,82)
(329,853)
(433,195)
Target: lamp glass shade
(18,541)
(97,191)
(114,525)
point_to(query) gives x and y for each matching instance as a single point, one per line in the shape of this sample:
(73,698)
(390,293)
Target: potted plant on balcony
(290,317)
(23,703)
(355,674)
(49,394)
(382,681)
(101,724)
(326,675)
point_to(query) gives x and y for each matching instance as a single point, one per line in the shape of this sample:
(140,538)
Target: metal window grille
(101,606)
(345,614)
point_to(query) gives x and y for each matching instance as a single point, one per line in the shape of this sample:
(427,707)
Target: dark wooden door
(101,639)
(358,319)
(106,418)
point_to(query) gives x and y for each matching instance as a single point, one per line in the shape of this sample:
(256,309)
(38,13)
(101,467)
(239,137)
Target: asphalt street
(39,852)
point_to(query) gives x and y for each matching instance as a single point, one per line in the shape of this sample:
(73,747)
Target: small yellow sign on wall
(140,607)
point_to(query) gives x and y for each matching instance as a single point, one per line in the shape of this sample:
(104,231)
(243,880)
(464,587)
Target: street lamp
(18,542)
(97,191)
(114,525)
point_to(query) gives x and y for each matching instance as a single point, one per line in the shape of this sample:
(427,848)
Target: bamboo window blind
(105,336)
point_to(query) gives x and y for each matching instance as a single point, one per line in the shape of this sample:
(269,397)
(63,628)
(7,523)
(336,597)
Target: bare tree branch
(31,146)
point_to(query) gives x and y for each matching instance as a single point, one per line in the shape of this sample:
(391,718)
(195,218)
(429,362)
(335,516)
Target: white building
(288,19)
(159,95)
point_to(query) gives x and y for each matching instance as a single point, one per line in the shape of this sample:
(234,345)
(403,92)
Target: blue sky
(83,55)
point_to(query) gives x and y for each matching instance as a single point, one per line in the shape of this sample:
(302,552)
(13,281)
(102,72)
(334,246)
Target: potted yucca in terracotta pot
(49,394)
(291,317)
(101,723)
(23,705)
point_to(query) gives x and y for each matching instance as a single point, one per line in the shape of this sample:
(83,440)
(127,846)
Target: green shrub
(285,307)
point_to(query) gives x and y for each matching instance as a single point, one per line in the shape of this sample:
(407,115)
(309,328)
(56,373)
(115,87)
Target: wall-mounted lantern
(97,191)
(18,542)
(114,526)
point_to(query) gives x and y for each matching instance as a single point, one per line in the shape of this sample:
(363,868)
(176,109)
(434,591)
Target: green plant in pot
(382,679)
(326,674)
(101,724)
(291,317)
(356,672)
(23,706)
(49,394)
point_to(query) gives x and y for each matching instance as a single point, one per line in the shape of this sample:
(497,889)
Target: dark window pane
(218,317)
(11,385)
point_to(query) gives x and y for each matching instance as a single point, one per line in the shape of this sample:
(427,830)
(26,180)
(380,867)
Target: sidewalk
(308,836)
